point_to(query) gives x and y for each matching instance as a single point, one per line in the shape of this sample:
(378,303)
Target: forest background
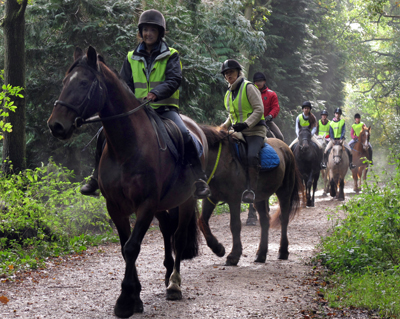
(333,53)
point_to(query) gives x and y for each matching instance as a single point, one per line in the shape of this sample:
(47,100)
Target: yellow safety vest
(337,128)
(323,129)
(144,84)
(302,121)
(240,109)
(357,128)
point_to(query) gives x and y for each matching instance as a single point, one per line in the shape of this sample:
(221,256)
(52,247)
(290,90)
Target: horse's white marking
(73,76)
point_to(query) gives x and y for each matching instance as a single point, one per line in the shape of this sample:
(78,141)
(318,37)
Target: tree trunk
(247,14)
(14,144)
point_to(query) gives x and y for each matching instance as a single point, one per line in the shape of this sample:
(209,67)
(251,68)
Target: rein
(214,169)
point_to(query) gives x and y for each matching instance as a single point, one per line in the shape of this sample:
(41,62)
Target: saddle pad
(268,157)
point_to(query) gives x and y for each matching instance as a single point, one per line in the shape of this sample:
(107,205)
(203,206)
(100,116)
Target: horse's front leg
(263,212)
(236,226)
(315,185)
(129,300)
(355,179)
(308,187)
(341,189)
(211,240)
(168,224)
(186,245)
(122,224)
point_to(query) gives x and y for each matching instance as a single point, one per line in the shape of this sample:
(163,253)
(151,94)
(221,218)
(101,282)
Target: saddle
(269,159)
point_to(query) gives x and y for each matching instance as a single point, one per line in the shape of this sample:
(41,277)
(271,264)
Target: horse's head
(322,140)
(83,95)
(364,137)
(304,139)
(337,152)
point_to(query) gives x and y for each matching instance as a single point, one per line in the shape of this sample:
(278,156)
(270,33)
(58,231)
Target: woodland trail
(87,286)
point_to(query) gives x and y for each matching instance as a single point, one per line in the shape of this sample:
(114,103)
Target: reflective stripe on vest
(357,128)
(337,128)
(240,109)
(323,129)
(144,82)
(302,121)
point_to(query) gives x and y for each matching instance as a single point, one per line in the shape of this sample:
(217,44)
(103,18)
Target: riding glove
(268,118)
(238,127)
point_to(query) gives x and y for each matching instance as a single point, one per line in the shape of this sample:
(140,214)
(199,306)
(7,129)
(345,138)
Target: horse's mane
(213,133)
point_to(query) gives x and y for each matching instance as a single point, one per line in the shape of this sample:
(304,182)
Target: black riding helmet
(306,104)
(153,17)
(338,110)
(229,65)
(259,76)
(357,116)
(324,112)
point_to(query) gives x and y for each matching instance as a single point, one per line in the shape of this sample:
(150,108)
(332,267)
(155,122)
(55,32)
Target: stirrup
(322,165)
(352,166)
(202,189)
(248,191)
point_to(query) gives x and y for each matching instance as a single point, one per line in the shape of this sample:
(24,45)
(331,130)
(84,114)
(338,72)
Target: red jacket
(271,104)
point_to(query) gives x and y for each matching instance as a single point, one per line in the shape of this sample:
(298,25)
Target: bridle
(90,97)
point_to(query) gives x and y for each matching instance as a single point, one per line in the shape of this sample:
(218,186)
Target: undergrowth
(43,214)
(362,252)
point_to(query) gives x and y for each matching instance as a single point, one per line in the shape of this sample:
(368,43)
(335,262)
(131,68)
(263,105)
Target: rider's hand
(268,118)
(223,127)
(151,97)
(238,127)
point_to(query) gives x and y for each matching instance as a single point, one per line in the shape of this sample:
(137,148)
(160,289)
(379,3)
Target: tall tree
(14,148)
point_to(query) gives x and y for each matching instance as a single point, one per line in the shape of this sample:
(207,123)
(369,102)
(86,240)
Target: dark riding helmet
(306,104)
(338,110)
(230,64)
(153,17)
(357,116)
(324,112)
(259,76)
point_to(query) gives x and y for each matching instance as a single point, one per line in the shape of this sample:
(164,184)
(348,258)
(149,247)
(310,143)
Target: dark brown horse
(228,183)
(361,157)
(135,174)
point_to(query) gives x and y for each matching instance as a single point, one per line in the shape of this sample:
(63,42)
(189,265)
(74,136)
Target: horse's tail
(295,198)
(191,249)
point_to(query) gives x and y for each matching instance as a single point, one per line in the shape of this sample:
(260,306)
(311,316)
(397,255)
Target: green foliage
(43,214)
(7,104)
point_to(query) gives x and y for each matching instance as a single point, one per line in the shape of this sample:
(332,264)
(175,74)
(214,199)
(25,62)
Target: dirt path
(87,286)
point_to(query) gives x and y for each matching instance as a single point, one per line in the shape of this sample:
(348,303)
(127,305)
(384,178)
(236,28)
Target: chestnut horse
(338,164)
(361,157)
(227,182)
(135,174)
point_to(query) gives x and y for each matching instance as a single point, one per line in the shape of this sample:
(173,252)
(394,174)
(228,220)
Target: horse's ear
(369,128)
(78,53)
(101,58)
(92,57)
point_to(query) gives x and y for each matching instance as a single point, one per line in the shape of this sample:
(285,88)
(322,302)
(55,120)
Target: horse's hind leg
(263,212)
(168,223)
(211,240)
(236,226)
(285,206)
(187,213)
(129,300)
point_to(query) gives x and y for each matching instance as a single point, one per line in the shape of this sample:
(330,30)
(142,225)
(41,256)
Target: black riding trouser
(172,114)
(254,145)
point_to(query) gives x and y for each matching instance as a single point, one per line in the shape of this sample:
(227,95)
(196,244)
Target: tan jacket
(254,96)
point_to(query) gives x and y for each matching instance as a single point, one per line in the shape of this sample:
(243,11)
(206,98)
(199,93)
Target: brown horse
(361,157)
(136,175)
(324,172)
(338,164)
(228,183)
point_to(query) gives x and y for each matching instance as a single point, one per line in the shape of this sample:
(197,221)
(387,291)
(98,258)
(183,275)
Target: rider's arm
(353,136)
(126,74)
(343,132)
(314,130)
(173,78)
(297,126)
(331,133)
(274,110)
(254,97)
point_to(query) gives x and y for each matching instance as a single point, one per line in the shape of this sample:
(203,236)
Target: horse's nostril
(56,128)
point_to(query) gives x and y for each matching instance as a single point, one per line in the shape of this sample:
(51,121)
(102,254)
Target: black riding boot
(192,157)
(324,159)
(351,165)
(249,194)
(92,186)
(370,155)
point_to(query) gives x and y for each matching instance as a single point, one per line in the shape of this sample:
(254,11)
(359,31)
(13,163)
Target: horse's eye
(84,83)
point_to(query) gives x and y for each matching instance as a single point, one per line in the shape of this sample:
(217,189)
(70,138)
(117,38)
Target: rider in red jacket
(270,101)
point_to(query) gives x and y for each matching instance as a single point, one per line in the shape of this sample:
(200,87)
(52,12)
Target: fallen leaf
(4,299)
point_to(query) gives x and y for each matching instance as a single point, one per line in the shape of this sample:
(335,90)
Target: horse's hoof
(127,306)
(231,262)
(251,222)
(174,294)
(283,256)
(219,250)
(260,259)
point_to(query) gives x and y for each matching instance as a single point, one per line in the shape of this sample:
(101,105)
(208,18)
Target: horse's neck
(358,146)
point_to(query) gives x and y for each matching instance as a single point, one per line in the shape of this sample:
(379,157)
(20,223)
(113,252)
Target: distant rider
(356,129)
(337,132)
(270,101)
(323,125)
